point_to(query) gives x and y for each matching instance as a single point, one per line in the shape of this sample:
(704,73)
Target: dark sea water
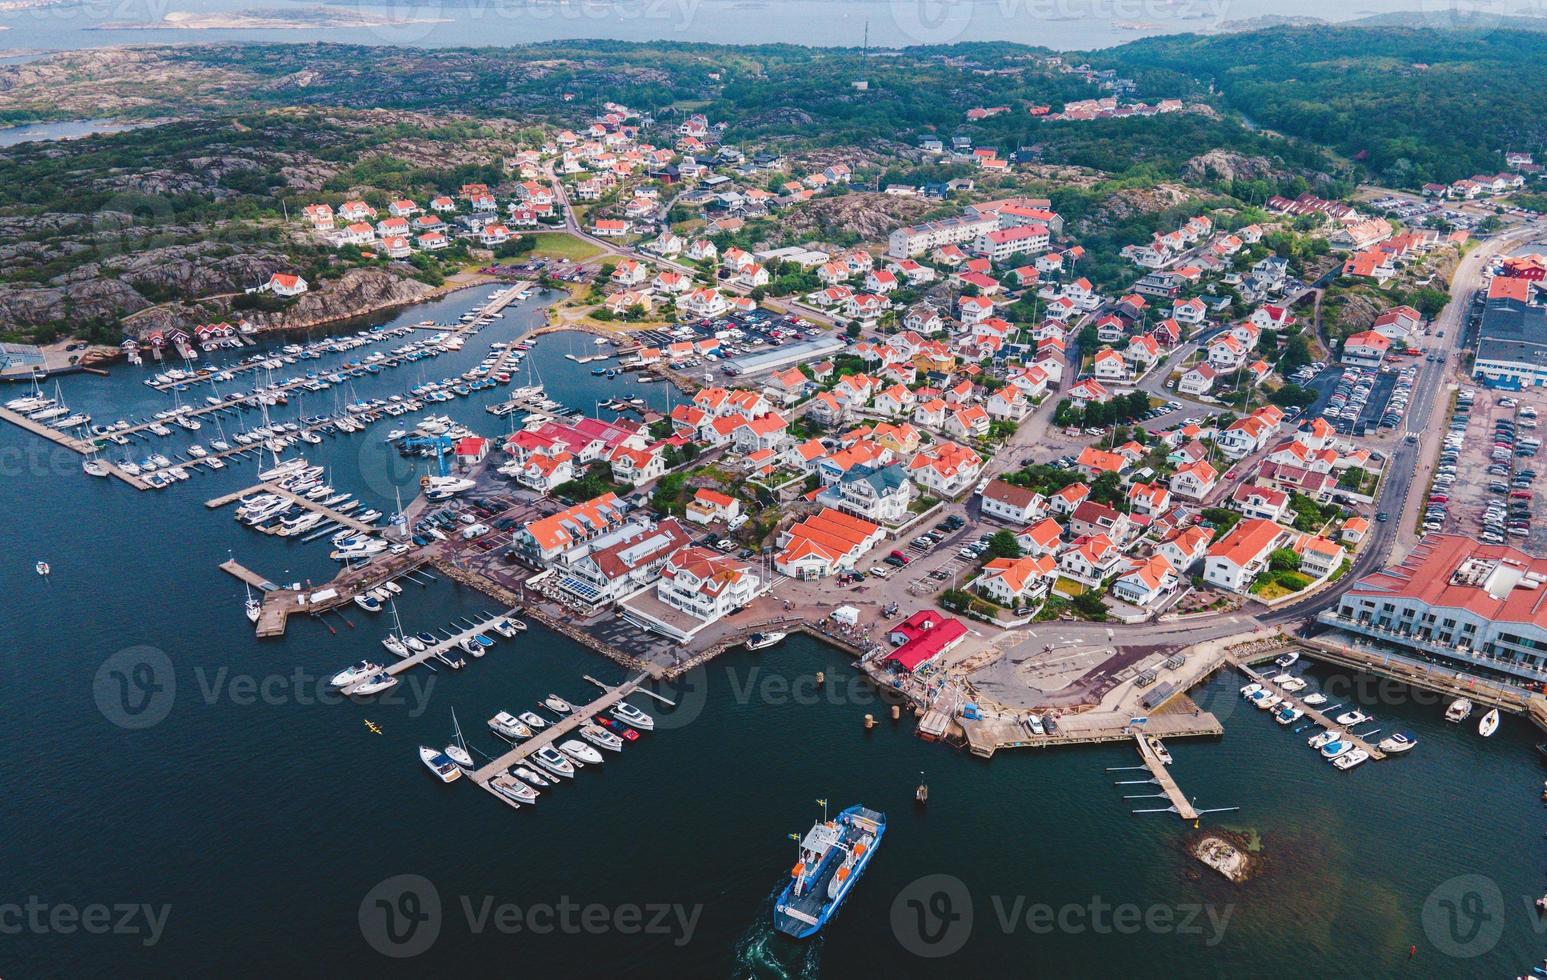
(268,821)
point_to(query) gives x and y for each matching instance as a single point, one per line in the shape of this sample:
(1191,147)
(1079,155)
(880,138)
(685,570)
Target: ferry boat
(833,855)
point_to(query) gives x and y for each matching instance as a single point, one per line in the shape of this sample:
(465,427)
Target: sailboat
(457,750)
(1489,724)
(254,607)
(396,641)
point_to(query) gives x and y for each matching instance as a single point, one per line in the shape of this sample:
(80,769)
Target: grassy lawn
(1068,587)
(563,245)
(1270,591)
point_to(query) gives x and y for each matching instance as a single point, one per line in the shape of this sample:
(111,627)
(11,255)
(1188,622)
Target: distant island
(253,20)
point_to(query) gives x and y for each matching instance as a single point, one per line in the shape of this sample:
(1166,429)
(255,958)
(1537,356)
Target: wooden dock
(1312,713)
(556,731)
(343,520)
(1164,779)
(252,578)
(69,442)
(451,642)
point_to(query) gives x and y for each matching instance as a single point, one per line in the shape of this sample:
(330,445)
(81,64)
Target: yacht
(280,471)
(580,752)
(627,713)
(440,764)
(447,485)
(254,607)
(1398,743)
(1460,710)
(413,643)
(531,776)
(1351,759)
(601,737)
(557,705)
(1324,738)
(554,761)
(507,725)
(1354,717)
(761,641)
(533,720)
(394,645)
(1489,724)
(513,789)
(375,684)
(368,602)
(350,675)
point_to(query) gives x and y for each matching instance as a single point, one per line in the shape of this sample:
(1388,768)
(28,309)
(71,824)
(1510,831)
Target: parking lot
(1350,397)
(1486,483)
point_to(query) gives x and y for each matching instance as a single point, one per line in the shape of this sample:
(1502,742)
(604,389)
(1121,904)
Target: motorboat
(533,719)
(1250,689)
(446,770)
(1271,701)
(426,640)
(617,728)
(1460,710)
(509,628)
(452,658)
(1315,699)
(531,776)
(554,761)
(1292,685)
(761,641)
(368,602)
(513,789)
(483,642)
(470,646)
(1489,724)
(1354,717)
(1350,759)
(1334,749)
(1323,738)
(1159,748)
(601,738)
(1398,743)
(628,714)
(1288,659)
(557,704)
(375,684)
(350,675)
(413,643)
(580,752)
(507,725)
(1288,715)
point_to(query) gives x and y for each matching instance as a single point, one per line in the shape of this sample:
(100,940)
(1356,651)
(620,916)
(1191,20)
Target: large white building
(905,243)
(1483,606)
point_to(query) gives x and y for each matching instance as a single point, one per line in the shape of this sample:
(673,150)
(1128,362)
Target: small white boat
(761,641)
(394,645)
(630,715)
(1354,717)
(557,704)
(375,684)
(368,602)
(1323,738)
(533,719)
(1350,759)
(601,737)
(1159,748)
(1460,710)
(42,569)
(1398,743)
(440,764)
(470,646)
(1288,715)
(510,628)
(1315,699)
(253,606)
(507,725)
(1292,685)
(414,643)
(531,776)
(460,756)
(1250,689)
(554,761)
(580,752)
(1288,659)
(1489,724)
(1334,749)
(350,675)
(1271,701)
(513,789)
(93,467)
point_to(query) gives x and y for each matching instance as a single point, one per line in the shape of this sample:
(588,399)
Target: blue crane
(440,448)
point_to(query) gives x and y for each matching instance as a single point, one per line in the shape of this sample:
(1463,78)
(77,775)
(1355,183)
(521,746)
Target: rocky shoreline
(1233,855)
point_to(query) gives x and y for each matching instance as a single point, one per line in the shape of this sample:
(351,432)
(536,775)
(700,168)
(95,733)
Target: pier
(432,651)
(556,731)
(337,517)
(69,442)
(252,578)
(1162,777)
(1310,712)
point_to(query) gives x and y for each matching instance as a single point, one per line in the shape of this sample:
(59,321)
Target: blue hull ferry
(833,855)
